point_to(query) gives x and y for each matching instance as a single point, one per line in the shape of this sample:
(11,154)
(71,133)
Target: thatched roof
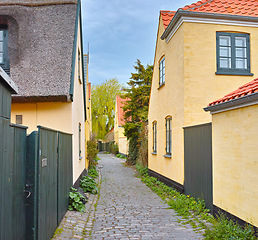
(41,41)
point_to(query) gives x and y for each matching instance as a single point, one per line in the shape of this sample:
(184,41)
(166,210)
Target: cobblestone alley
(126,209)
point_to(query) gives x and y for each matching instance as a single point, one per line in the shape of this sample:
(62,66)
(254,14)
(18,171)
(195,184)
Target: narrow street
(127,209)
(124,209)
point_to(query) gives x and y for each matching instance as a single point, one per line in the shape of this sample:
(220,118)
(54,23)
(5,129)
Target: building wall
(168,101)
(119,137)
(123,145)
(52,115)
(235,164)
(78,117)
(202,85)
(190,84)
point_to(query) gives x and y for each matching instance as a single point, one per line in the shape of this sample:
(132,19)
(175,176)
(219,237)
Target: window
(162,72)
(4,59)
(233,54)
(18,119)
(168,135)
(79,66)
(80,139)
(154,132)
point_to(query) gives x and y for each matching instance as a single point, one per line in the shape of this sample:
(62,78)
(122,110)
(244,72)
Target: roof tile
(233,7)
(120,112)
(246,89)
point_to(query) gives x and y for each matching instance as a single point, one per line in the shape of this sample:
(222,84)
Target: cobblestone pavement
(127,209)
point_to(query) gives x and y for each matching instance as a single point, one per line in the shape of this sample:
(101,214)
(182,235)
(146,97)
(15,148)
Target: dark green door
(198,162)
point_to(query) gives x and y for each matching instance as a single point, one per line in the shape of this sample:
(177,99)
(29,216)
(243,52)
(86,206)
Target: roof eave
(183,13)
(8,81)
(244,101)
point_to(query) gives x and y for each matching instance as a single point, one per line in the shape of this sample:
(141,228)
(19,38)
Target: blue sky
(119,32)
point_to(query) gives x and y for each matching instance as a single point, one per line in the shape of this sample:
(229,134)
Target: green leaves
(136,110)
(103,106)
(88,184)
(92,152)
(76,201)
(93,172)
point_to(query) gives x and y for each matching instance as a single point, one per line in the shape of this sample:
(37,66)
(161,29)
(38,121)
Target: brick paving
(128,209)
(125,209)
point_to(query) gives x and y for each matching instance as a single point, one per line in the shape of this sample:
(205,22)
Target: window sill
(160,86)
(167,155)
(234,73)
(154,153)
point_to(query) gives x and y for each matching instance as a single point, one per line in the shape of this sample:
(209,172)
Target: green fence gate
(50,179)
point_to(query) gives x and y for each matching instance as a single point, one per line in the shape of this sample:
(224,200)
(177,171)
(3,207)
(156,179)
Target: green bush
(133,149)
(76,201)
(88,184)
(142,170)
(92,152)
(113,148)
(93,172)
(120,156)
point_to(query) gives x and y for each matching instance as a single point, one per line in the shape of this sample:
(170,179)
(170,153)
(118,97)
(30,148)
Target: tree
(136,110)
(103,106)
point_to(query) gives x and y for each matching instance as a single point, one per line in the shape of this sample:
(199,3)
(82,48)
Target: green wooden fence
(50,179)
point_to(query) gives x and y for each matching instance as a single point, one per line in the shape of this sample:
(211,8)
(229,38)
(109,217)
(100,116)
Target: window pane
(225,41)
(1,58)
(241,63)
(225,62)
(1,47)
(241,52)
(225,52)
(1,35)
(240,41)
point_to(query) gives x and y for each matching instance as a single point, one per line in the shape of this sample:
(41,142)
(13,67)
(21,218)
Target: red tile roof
(232,7)
(119,104)
(167,17)
(247,89)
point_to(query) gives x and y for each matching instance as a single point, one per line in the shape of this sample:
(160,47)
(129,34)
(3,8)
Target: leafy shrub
(92,152)
(88,184)
(142,158)
(120,156)
(113,148)
(76,201)
(142,170)
(93,172)
(133,149)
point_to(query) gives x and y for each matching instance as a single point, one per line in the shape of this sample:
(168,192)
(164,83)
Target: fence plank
(18,181)
(5,180)
(47,215)
(65,177)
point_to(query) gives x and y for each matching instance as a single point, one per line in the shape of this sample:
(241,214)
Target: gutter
(248,100)
(183,13)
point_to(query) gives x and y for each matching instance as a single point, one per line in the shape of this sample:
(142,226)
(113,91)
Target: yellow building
(234,150)
(120,138)
(202,52)
(88,122)
(44,56)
